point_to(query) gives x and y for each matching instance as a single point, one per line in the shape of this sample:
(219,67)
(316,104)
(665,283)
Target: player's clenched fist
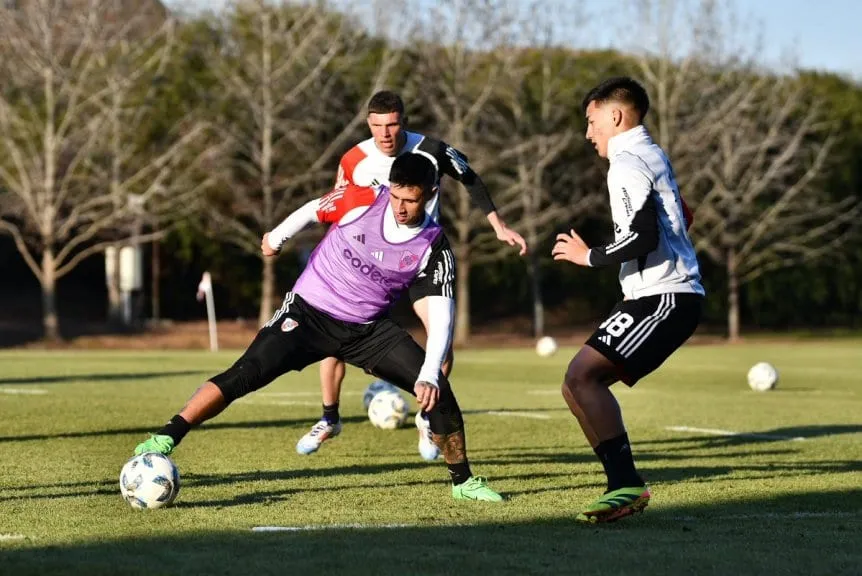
(265,247)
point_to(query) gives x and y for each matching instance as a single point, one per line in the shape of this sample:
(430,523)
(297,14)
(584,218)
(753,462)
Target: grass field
(783,496)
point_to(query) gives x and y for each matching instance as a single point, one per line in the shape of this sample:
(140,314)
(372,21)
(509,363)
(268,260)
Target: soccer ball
(762,377)
(149,481)
(373,389)
(388,410)
(546,346)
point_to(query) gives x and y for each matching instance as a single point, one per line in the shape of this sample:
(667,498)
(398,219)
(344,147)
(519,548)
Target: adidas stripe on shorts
(639,335)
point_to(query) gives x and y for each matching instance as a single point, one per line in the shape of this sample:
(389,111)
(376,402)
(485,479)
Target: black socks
(330,413)
(616,457)
(177,429)
(460,472)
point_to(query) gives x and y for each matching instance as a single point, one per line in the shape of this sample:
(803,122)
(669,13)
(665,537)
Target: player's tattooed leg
(453,446)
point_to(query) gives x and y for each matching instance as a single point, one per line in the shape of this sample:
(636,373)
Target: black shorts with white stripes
(299,335)
(639,335)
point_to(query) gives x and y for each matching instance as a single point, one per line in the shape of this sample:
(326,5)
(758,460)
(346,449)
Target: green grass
(722,504)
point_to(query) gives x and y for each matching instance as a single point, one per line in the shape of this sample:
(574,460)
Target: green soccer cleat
(156,443)
(475,488)
(615,505)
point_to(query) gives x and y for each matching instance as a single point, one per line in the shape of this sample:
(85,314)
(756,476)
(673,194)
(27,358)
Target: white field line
(545,392)
(309,527)
(11,537)
(717,432)
(515,414)
(24,391)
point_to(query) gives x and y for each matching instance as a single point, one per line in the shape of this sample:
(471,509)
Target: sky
(822,34)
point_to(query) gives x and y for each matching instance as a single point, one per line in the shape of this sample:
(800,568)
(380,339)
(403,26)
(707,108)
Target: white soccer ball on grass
(373,389)
(546,346)
(762,377)
(149,481)
(388,410)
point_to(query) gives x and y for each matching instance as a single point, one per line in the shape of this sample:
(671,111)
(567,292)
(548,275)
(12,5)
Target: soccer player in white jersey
(367,164)
(338,307)
(660,279)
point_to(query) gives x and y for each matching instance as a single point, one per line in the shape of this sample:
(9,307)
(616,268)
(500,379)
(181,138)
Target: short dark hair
(413,170)
(385,102)
(619,89)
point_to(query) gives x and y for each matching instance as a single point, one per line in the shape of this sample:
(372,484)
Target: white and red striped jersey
(366,165)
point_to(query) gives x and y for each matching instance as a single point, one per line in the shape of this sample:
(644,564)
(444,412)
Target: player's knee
(585,374)
(244,377)
(568,392)
(578,378)
(575,376)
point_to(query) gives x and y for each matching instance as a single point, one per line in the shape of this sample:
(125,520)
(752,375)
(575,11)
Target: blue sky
(824,34)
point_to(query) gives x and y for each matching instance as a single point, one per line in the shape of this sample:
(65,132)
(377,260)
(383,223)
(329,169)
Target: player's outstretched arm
(641,239)
(330,208)
(642,235)
(506,234)
(298,221)
(454,164)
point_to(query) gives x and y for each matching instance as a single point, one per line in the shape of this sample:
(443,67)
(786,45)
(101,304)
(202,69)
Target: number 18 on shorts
(639,335)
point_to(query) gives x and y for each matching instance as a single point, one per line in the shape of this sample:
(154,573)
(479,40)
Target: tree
(460,72)
(148,166)
(50,131)
(287,112)
(766,208)
(749,147)
(549,182)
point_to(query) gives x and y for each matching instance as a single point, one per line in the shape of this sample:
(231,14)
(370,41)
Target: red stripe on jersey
(686,211)
(347,165)
(333,206)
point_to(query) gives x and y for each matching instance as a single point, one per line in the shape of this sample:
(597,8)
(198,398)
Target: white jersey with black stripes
(640,173)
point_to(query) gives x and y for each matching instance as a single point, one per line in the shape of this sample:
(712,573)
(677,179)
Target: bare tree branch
(286,73)
(63,64)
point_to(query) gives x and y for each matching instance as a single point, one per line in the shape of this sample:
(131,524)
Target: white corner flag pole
(205,290)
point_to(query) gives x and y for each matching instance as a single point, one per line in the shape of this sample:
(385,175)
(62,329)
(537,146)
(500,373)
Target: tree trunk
(50,323)
(267,288)
(530,203)
(535,273)
(732,297)
(115,298)
(462,300)
(266,159)
(155,295)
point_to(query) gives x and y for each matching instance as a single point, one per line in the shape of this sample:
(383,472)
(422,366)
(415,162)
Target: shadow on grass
(217,425)
(247,483)
(211,425)
(787,534)
(98,377)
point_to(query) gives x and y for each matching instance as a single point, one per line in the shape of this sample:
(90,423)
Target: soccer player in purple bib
(338,308)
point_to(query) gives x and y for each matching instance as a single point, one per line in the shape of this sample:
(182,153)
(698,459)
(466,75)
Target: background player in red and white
(368,164)
(660,280)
